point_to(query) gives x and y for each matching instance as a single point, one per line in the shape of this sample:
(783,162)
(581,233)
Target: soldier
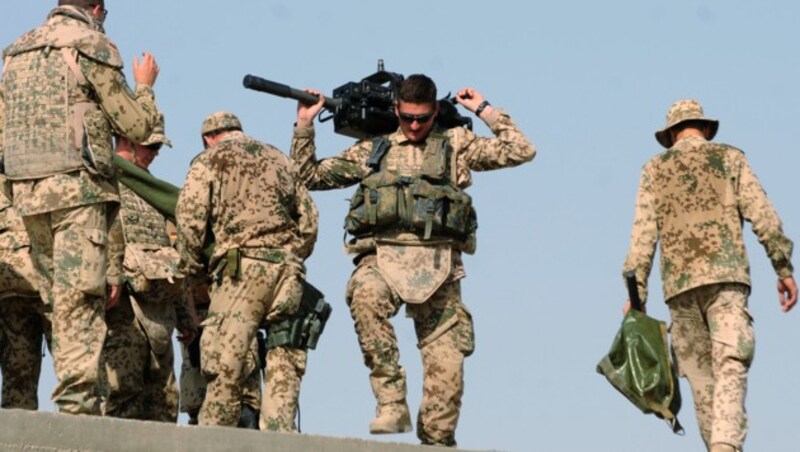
(64,95)
(692,199)
(24,318)
(246,195)
(138,350)
(407,250)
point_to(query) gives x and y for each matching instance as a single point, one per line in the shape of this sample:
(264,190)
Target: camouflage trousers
(139,369)
(445,337)
(23,324)
(261,291)
(193,384)
(69,252)
(713,344)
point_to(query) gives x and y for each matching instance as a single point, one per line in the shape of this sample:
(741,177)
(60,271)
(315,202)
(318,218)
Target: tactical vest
(428,203)
(53,123)
(148,254)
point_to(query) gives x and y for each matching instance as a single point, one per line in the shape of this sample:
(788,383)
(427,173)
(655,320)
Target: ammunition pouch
(303,329)
(415,204)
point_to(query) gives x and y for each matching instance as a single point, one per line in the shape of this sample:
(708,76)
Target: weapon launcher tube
(279,89)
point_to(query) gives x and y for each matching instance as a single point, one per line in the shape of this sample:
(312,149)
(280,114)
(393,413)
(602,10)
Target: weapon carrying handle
(633,290)
(279,89)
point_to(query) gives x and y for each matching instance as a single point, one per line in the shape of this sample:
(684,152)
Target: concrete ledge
(39,431)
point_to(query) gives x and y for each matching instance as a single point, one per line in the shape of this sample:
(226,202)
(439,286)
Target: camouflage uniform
(692,199)
(264,223)
(24,318)
(138,350)
(59,160)
(396,267)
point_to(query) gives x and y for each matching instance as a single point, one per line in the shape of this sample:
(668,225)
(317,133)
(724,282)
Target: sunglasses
(155,147)
(422,119)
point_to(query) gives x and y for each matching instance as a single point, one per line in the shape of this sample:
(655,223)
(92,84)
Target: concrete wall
(39,431)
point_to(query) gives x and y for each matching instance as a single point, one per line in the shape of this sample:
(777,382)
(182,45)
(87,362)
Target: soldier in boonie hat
(683,111)
(157,136)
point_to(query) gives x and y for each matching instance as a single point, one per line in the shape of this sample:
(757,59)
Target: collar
(79,14)
(400,138)
(691,138)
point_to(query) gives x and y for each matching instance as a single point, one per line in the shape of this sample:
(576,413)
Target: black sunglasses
(155,147)
(422,119)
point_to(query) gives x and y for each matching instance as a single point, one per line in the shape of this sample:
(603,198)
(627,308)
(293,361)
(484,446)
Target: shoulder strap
(380,146)
(71,57)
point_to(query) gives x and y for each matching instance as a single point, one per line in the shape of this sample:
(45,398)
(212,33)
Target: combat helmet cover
(221,120)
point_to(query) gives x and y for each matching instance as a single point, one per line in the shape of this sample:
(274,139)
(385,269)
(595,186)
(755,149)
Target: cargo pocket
(211,347)
(464,333)
(288,295)
(94,263)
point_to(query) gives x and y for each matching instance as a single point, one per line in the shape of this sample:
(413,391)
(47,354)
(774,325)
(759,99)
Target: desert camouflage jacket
(247,195)
(693,199)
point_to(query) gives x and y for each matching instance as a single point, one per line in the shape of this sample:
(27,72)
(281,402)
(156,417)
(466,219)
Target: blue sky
(589,83)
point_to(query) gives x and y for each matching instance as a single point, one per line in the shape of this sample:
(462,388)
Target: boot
(391,418)
(248,418)
(721,447)
(389,387)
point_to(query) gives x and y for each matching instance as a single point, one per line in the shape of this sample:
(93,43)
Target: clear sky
(589,83)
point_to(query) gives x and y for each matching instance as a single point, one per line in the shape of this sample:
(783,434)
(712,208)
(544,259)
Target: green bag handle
(633,290)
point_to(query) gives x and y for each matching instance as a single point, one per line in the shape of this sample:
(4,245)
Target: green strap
(233,267)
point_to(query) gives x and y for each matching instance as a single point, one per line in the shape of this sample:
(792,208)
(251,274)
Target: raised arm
(132,113)
(508,148)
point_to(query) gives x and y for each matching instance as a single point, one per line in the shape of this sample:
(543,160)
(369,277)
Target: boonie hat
(221,120)
(682,111)
(158,134)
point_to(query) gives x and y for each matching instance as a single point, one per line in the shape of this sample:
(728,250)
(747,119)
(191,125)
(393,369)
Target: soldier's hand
(469,98)
(787,293)
(627,308)
(112,298)
(187,335)
(146,72)
(307,112)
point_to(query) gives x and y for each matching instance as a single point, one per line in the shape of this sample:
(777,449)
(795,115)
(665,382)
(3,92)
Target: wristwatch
(481,107)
